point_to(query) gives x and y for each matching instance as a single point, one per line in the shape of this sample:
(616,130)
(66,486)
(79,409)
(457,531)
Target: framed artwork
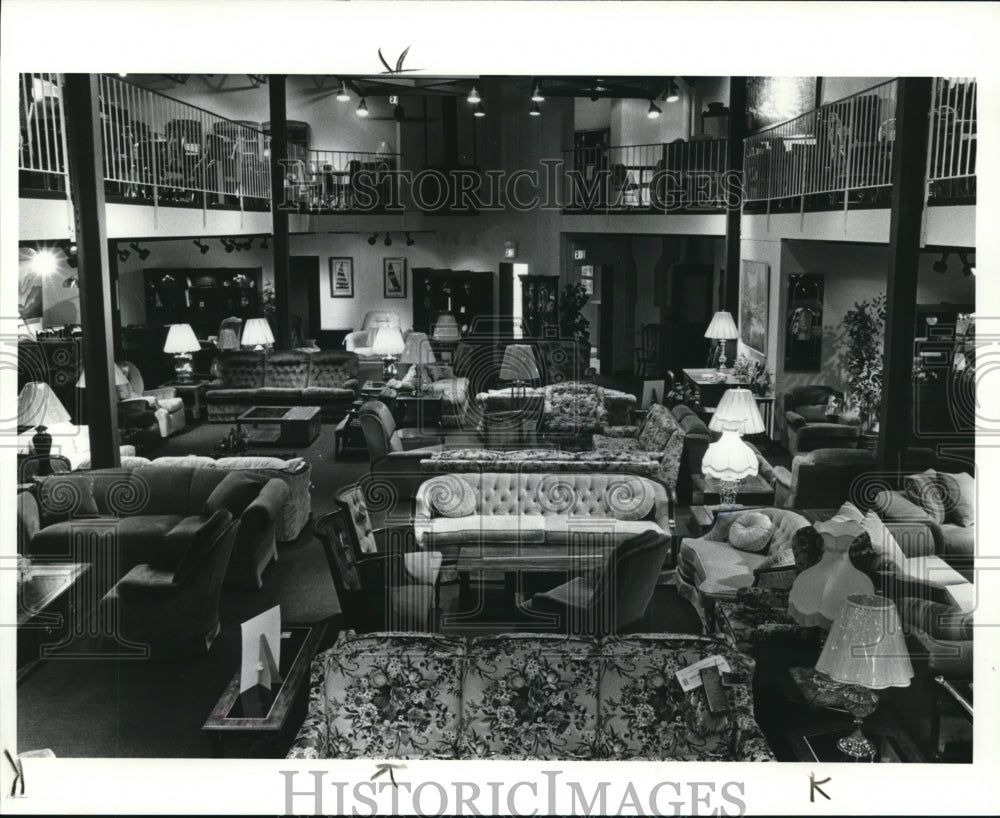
(771,100)
(588,285)
(394,277)
(587,270)
(753,305)
(341,277)
(652,392)
(804,323)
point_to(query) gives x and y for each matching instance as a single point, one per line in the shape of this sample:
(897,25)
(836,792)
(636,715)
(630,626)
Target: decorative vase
(41,442)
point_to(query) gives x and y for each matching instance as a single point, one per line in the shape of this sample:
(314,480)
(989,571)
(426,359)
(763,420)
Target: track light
(941,265)
(474,97)
(967,269)
(203,247)
(342,94)
(399,113)
(534,110)
(227,244)
(478,110)
(71,283)
(71,261)
(246,245)
(653,111)
(373,239)
(123,254)
(69,251)
(409,240)
(362,108)
(536,95)
(388,240)
(673,94)
(263,243)
(142,252)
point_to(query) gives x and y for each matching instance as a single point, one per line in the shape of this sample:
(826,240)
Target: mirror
(804,323)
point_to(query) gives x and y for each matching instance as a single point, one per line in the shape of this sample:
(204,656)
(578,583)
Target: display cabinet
(467,295)
(540,305)
(202,297)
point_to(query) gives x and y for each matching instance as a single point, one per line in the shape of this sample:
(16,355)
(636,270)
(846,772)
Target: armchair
(168,408)
(808,425)
(393,450)
(821,478)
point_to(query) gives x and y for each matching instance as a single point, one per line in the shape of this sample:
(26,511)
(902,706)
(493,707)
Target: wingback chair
(822,478)
(395,451)
(808,426)
(169,408)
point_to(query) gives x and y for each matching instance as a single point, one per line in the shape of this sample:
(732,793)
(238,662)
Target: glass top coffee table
(281,425)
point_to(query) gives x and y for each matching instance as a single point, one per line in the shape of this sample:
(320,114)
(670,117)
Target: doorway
(303,297)
(692,311)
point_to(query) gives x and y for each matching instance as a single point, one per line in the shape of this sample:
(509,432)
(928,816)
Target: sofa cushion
(332,368)
(286,370)
(270,394)
(450,496)
(716,568)
(891,556)
(657,429)
(932,571)
(751,532)
(194,461)
(505,528)
(192,535)
(63,496)
(849,511)
(583,531)
(327,393)
(960,497)
(813,414)
(235,492)
(925,490)
(136,538)
(530,696)
(938,621)
(240,370)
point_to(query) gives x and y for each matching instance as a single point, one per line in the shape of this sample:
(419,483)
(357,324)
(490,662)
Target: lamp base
(389,370)
(730,488)
(860,702)
(183,371)
(722,357)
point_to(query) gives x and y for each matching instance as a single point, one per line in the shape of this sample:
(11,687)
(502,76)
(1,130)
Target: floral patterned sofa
(539,460)
(524,696)
(569,407)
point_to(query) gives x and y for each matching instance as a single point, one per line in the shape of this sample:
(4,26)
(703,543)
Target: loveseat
(454,510)
(137,510)
(524,696)
(327,379)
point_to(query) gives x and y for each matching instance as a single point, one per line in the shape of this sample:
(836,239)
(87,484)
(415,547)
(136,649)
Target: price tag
(689,678)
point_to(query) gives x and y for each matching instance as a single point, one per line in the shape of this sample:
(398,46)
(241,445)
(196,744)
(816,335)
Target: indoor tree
(864,334)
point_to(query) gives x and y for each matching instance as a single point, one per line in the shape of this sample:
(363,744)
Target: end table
(192,393)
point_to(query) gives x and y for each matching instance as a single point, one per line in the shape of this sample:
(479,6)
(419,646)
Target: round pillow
(750,532)
(450,496)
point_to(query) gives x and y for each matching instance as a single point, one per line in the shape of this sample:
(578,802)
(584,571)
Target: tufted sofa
(524,508)
(327,379)
(524,696)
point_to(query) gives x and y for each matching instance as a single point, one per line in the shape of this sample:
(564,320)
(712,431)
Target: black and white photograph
(574,409)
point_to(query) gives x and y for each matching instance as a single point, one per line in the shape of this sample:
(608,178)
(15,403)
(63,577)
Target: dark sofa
(327,379)
(83,514)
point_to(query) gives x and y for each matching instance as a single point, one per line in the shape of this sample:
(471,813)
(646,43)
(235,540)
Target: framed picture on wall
(341,277)
(394,277)
(753,305)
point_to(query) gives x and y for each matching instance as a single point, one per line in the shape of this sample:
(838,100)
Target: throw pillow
(813,414)
(849,511)
(235,492)
(751,532)
(657,429)
(891,556)
(64,496)
(807,548)
(450,496)
(191,534)
(925,490)
(629,499)
(959,498)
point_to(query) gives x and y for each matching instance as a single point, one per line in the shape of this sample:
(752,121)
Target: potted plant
(571,322)
(864,330)
(753,373)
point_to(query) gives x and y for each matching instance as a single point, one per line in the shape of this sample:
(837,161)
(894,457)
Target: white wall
(591,115)
(834,88)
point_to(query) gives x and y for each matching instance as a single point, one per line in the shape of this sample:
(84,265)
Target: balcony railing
(42,137)
(357,181)
(656,177)
(951,151)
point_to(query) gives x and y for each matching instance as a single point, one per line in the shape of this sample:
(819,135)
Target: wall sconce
(373,239)
(142,252)
(123,254)
(409,240)
(203,247)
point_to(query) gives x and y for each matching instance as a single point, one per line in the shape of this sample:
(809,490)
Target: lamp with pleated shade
(418,352)
(722,328)
(181,342)
(866,649)
(729,460)
(388,344)
(257,333)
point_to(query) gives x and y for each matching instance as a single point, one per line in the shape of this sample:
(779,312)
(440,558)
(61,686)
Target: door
(692,312)
(303,295)
(605,320)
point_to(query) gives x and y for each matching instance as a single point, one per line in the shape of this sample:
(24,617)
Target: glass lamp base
(860,702)
(856,746)
(389,370)
(183,370)
(730,488)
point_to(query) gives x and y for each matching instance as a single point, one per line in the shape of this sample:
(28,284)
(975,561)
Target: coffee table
(281,425)
(259,714)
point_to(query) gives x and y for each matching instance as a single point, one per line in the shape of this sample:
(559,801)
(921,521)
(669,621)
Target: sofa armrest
(215,383)
(794,420)
(273,496)
(162,393)
(782,477)
(311,740)
(896,506)
(663,512)
(621,431)
(143,579)
(415,439)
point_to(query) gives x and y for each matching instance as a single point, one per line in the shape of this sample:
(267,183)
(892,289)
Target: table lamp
(388,344)
(257,334)
(446,328)
(865,650)
(729,459)
(39,406)
(181,342)
(419,353)
(228,339)
(722,328)
(519,366)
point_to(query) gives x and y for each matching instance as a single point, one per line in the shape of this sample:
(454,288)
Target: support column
(737,131)
(86,177)
(909,166)
(279,216)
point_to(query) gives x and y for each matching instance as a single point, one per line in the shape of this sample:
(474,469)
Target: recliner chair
(168,408)
(808,426)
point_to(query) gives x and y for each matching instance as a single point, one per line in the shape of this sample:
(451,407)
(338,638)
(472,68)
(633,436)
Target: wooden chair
(648,350)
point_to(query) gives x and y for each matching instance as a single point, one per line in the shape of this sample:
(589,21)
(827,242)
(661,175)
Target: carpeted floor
(87,707)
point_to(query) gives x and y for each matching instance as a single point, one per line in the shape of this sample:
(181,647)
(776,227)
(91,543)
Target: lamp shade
(446,328)
(729,458)
(257,332)
(38,405)
(228,339)
(120,377)
(388,341)
(866,645)
(519,363)
(737,411)
(417,350)
(722,327)
(181,339)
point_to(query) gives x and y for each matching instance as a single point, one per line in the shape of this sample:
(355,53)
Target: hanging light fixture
(203,247)
(362,108)
(474,97)
(388,240)
(653,111)
(673,94)
(967,269)
(373,239)
(71,282)
(409,240)
(478,110)
(142,252)
(941,265)
(536,95)
(342,95)
(534,110)
(227,244)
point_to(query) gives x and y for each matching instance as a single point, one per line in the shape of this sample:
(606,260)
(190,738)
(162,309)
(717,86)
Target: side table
(193,394)
(348,434)
(754,491)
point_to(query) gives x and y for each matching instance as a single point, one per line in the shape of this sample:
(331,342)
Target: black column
(279,216)
(86,178)
(734,163)
(909,158)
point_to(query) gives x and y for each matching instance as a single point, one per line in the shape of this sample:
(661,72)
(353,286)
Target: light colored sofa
(524,696)
(464,509)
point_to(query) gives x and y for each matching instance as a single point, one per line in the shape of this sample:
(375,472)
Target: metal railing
(341,180)
(840,147)
(951,147)
(42,136)
(653,177)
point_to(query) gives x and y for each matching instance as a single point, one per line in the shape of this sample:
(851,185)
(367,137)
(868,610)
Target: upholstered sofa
(436,380)
(524,696)
(570,407)
(450,461)
(808,425)
(140,508)
(822,475)
(327,379)
(488,507)
(295,473)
